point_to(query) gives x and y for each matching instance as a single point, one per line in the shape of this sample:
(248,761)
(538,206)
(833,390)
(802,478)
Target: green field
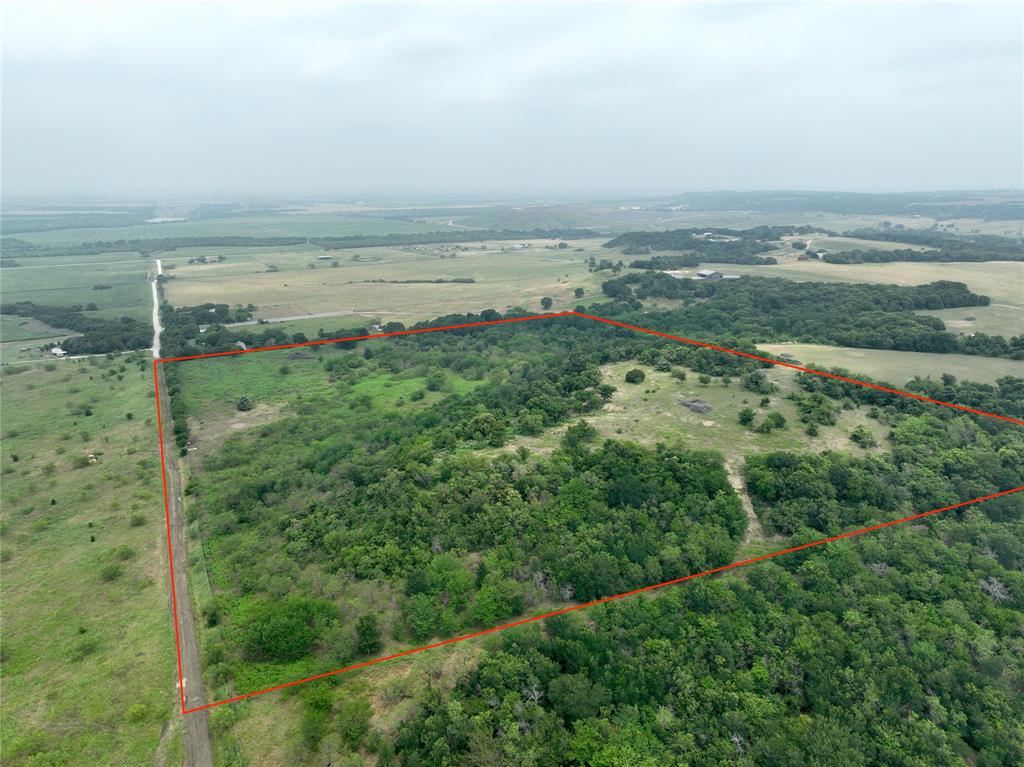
(88,646)
(995,319)
(503,279)
(899,367)
(73,281)
(14,328)
(838,244)
(270,225)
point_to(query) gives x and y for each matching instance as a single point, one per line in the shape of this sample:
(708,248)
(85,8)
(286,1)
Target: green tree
(367,634)
(280,630)
(546,302)
(746,416)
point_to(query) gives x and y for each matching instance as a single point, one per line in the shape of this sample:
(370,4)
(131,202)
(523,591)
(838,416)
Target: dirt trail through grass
(755,532)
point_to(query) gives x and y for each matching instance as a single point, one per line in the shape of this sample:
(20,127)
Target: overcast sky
(446,99)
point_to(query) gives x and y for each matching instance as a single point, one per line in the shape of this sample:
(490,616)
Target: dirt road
(198,751)
(734,470)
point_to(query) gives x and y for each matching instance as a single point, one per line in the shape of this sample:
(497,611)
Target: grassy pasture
(73,282)
(617,217)
(270,225)
(14,328)
(899,367)
(88,645)
(837,244)
(502,280)
(995,320)
(280,381)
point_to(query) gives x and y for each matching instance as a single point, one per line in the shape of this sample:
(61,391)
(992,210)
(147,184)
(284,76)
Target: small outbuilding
(709,274)
(56,351)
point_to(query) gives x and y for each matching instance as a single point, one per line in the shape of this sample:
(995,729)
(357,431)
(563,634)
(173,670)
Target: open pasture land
(269,225)
(643,216)
(117,286)
(369,280)
(88,645)
(839,244)
(994,319)
(14,328)
(898,367)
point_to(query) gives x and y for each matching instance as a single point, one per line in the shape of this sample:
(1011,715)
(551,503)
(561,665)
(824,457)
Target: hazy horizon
(557,102)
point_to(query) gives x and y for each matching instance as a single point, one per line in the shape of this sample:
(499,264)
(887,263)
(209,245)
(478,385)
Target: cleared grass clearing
(280,381)
(899,367)
(995,319)
(650,412)
(502,280)
(837,244)
(88,671)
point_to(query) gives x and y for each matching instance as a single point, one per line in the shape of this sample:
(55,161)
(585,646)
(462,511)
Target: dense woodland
(716,245)
(764,309)
(941,246)
(375,526)
(97,335)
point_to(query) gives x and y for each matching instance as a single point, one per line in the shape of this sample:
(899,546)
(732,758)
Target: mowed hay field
(899,367)
(503,279)
(88,644)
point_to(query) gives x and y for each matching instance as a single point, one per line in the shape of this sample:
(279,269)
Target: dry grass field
(367,281)
(899,367)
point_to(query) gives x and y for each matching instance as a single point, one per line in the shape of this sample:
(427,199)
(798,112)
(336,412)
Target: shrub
(635,376)
(111,572)
(862,438)
(245,403)
(746,416)
(136,713)
(354,720)
(367,634)
(282,630)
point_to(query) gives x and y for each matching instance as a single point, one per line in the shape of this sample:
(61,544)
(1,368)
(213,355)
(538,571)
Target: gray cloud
(289,98)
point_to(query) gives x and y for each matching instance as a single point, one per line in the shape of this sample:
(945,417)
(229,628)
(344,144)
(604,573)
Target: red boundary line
(562,611)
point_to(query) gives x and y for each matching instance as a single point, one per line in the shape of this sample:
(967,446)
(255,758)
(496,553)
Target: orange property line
(572,608)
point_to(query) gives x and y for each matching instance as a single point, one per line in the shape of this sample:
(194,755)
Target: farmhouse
(56,351)
(709,274)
